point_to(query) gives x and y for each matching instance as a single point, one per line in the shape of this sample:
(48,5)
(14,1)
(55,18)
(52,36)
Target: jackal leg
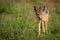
(46,27)
(39,27)
(43,27)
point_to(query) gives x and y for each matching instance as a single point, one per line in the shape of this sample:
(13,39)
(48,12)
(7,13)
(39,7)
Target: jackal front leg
(43,27)
(46,27)
(39,27)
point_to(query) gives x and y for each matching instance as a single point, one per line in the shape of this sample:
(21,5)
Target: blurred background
(18,20)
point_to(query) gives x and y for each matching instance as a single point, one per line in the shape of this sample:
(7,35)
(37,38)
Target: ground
(18,20)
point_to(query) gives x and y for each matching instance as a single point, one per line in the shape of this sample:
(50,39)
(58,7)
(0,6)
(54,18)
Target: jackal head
(40,11)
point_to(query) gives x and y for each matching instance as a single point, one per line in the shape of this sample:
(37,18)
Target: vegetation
(18,22)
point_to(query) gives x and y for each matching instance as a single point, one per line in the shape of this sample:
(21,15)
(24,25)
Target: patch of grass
(19,23)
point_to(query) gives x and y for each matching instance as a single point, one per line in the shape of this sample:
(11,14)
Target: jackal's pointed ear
(35,8)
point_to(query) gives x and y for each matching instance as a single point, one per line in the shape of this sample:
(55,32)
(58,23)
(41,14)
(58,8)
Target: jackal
(42,14)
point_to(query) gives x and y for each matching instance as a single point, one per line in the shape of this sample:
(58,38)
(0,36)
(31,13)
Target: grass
(18,22)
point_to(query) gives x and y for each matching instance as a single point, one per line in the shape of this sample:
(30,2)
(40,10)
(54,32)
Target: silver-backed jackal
(42,14)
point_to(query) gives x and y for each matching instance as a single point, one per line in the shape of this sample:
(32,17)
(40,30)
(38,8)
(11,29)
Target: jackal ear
(35,8)
(46,9)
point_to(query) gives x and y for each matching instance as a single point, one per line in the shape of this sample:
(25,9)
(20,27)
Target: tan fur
(43,19)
